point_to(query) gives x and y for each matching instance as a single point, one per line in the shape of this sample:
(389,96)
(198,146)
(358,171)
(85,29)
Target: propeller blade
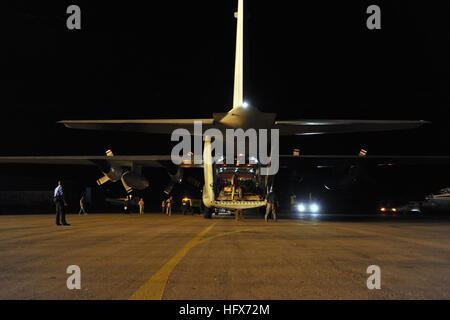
(128,189)
(102,180)
(109,153)
(169,187)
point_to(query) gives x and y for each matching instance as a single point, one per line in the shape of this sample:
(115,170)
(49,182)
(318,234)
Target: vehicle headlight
(314,207)
(301,207)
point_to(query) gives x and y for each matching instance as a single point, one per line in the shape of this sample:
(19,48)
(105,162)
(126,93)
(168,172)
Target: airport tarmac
(188,257)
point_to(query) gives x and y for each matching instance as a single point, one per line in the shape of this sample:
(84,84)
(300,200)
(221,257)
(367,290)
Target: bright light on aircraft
(244,105)
(314,208)
(301,208)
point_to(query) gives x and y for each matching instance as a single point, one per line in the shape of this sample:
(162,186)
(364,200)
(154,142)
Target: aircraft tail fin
(239,60)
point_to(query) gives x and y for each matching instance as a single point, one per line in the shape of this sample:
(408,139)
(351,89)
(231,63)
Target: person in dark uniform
(271,200)
(60,203)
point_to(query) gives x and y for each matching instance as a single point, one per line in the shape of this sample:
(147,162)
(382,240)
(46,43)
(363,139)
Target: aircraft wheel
(207,213)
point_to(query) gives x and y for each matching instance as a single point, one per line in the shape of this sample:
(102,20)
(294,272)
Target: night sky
(175,59)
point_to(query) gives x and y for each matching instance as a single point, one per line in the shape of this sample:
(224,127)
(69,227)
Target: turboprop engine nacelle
(134,180)
(176,177)
(114,174)
(130,179)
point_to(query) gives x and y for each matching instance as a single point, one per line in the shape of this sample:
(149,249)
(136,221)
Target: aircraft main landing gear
(238,215)
(207,213)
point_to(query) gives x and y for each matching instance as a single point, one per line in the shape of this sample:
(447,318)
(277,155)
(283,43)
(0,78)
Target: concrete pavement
(188,257)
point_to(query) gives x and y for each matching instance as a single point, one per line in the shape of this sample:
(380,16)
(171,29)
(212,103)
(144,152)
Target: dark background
(175,59)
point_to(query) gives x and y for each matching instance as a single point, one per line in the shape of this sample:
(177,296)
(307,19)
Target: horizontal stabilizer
(158,126)
(310,127)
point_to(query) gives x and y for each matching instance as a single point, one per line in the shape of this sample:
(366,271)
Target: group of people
(60,203)
(59,199)
(166,206)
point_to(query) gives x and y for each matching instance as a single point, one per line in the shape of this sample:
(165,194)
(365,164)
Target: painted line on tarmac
(154,288)
(223,234)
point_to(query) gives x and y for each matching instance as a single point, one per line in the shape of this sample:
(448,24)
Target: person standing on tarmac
(82,205)
(141,206)
(271,200)
(169,207)
(60,203)
(163,204)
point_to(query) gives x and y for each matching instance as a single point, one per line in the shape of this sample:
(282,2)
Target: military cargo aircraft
(235,186)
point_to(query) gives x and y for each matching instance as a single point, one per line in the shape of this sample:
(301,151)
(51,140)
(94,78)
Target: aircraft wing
(379,160)
(160,161)
(158,126)
(156,161)
(310,127)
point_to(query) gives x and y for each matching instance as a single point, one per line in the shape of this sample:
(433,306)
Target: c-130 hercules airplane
(235,186)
